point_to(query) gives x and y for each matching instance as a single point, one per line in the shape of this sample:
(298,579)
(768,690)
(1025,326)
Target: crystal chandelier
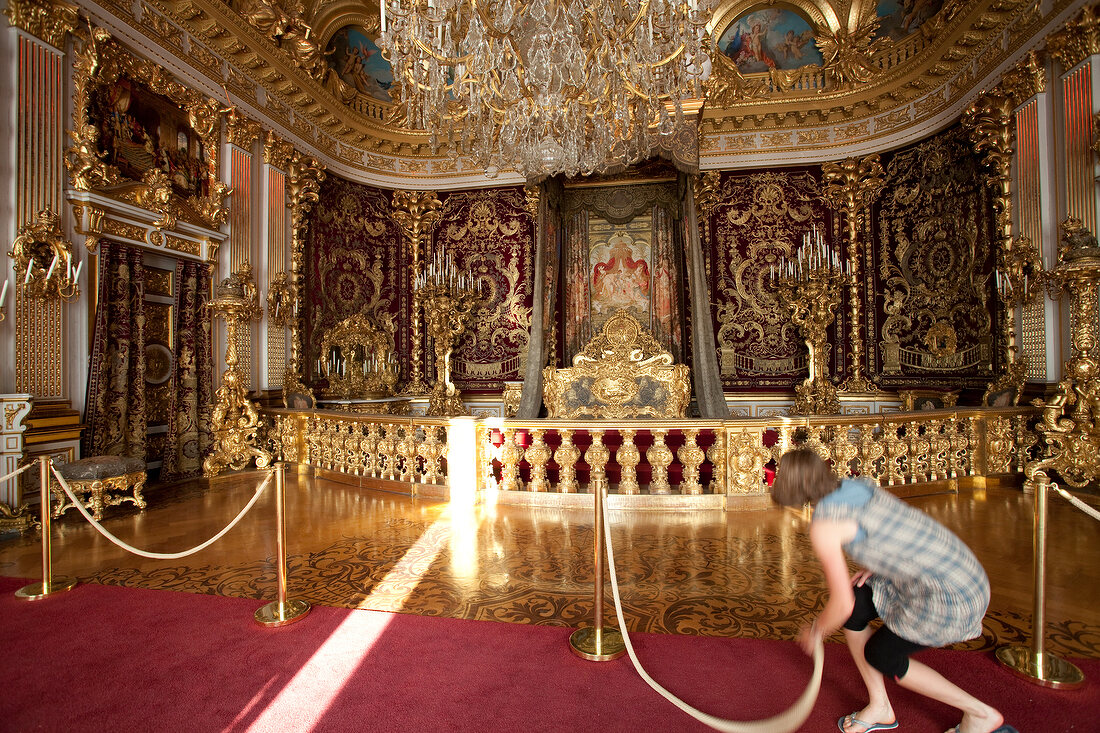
(548,86)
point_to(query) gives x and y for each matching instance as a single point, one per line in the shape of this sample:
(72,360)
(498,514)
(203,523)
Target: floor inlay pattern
(720,575)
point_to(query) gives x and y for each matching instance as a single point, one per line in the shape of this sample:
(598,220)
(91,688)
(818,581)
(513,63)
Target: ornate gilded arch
(820,14)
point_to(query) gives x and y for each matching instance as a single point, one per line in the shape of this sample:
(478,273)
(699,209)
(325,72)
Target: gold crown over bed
(622,372)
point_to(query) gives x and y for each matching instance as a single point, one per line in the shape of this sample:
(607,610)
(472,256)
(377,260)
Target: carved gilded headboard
(622,372)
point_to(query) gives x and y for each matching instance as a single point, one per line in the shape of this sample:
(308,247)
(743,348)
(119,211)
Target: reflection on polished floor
(745,574)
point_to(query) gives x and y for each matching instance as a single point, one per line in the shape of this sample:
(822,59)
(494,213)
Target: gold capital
(48,20)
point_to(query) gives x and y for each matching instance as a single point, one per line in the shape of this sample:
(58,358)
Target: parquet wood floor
(748,574)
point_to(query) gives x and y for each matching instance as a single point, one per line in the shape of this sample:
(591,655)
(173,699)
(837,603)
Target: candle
(4,293)
(30,264)
(382,12)
(53,265)
(76,277)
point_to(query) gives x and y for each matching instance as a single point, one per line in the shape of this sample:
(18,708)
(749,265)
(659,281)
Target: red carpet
(103,658)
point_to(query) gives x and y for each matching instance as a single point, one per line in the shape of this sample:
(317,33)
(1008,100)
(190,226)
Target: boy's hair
(802,476)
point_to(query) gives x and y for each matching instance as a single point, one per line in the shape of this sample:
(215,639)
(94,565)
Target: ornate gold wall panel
(933,257)
(39,326)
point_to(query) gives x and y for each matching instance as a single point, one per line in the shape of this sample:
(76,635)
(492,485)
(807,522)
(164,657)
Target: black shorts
(885,651)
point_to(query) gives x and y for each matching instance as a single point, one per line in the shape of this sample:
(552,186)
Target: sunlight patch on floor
(303,702)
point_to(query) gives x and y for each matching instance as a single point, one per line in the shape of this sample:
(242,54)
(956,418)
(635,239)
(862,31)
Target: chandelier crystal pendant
(547,86)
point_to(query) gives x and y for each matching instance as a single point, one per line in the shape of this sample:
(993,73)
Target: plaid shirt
(927,585)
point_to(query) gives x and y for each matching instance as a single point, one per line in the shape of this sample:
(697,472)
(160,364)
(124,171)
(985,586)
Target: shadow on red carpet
(103,658)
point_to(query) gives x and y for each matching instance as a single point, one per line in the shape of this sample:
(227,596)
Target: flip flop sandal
(851,720)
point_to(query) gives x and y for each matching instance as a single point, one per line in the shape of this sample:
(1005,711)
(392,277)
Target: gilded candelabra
(1069,434)
(358,358)
(43,261)
(236,420)
(447,298)
(811,285)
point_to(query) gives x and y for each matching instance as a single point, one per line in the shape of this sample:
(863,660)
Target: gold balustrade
(679,463)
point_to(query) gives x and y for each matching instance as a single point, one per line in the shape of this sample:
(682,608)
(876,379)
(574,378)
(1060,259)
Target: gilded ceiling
(791,82)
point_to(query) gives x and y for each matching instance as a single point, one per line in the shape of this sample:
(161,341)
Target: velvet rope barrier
(786,722)
(159,555)
(1076,502)
(15,473)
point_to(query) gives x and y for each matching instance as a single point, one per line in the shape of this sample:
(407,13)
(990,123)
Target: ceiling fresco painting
(354,57)
(775,38)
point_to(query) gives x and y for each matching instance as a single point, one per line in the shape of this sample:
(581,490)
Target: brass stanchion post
(282,611)
(49,584)
(598,644)
(1033,663)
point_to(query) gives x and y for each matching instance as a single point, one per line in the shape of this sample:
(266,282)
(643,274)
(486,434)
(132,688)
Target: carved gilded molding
(1078,40)
(241,130)
(48,20)
(417,213)
(102,62)
(1026,79)
(277,151)
(304,175)
(849,52)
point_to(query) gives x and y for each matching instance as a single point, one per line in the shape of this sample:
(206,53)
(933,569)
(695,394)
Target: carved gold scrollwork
(848,52)
(285,26)
(538,455)
(49,20)
(241,130)
(566,457)
(851,186)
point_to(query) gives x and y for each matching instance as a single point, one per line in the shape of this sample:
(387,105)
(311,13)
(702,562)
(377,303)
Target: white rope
(16,472)
(160,555)
(786,722)
(1076,502)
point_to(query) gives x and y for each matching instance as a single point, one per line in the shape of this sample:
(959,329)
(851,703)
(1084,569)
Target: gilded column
(988,120)
(417,213)
(39,139)
(851,186)
(274,232)
(304,175)
(241,132)
(1034,207)
(1076,48)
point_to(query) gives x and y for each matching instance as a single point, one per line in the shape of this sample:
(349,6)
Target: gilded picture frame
(187,132)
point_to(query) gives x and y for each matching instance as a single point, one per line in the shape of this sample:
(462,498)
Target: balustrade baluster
(406,448)
(939,447)
(919,448)
(566,457)
(387,448)
(716,454)
(352,448)
(628,457)
(691,457)
(597,457)
(538,455)
(659,456)
(510,455)
(431,450)
(896,450)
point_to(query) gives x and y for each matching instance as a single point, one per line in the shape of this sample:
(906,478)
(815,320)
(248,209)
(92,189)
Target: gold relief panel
(775,139)
(1026,79)
(277,151)
(381,162)
(349,155)
(813,137)
(241,130)
(740,142)
(205,59)
(123,230)
(893,120)
(48,20)
(930,104)
(856,130)
(159,282)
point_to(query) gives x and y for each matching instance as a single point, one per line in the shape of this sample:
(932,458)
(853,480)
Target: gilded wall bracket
(43,260)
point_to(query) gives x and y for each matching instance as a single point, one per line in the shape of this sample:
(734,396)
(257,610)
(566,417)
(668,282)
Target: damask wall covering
(358,261)
(927,298)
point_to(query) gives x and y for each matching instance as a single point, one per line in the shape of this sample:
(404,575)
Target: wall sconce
(43,260)
(282,300)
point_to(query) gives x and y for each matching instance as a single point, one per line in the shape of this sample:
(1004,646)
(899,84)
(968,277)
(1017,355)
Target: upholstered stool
(103,479)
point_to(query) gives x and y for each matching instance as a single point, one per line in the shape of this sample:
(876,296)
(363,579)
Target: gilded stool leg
(57,493)
(96,501)
(139,484)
